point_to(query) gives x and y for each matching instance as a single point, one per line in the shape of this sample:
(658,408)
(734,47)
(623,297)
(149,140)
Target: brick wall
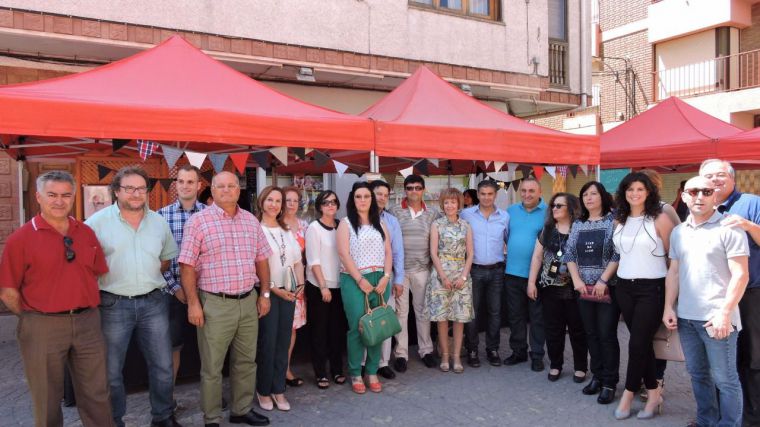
(749,38)
(615,13)
(12,75)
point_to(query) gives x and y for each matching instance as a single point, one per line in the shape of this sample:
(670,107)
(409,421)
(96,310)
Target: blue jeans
(148,318)
(712,366)
(487,283)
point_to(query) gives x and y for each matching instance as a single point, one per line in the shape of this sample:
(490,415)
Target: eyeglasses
(70,254)
(131,190)
(707,192)
(414,188)
(230,187)
(558,206)
(329,203)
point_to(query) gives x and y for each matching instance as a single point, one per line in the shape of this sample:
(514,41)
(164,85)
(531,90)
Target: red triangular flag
(538,171)
(239,160)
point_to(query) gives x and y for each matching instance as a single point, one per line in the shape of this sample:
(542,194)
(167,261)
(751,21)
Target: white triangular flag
(340,168)
(488,163)
(512,167)
(497,166)
(433,161)
(195,159)
(551,170)
(406,172)
(307,150)
(171,155)
(281,154)
(584,168)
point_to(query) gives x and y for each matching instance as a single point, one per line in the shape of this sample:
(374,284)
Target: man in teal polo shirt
(526,221)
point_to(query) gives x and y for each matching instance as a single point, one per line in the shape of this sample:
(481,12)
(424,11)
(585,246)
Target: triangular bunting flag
(422,166)
(262,159)
(538,171)
(511,167)
(435,162)
(281,154)
(165,183)
(551,170)
(171,155)
(307,150)
(573,170)
(195,159)
(208,175)
(239,160)
(340,168)
(217,160)
(320,158)
(118,143)
(516,184)
(525,169)
(146,148)
(488,163)
(497,166)
(103,171)
(478,171)
(299,152)
(584,168)
(406,172)
(151,184)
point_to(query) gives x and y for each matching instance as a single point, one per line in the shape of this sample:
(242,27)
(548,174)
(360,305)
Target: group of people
(247,282)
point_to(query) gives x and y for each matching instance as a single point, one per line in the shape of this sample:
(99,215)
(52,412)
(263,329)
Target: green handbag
(378,324)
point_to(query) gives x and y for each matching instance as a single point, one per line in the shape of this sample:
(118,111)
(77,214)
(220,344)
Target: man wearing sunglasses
(139,246)
(742,211)
(48,277)
(707,276)
(415,219)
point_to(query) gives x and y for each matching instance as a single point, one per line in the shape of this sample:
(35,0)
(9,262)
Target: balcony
(670,19)
(727,73)
(558,53)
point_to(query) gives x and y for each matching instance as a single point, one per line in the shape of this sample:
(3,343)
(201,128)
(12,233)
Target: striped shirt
(415,230)
(176,216)
(224,249)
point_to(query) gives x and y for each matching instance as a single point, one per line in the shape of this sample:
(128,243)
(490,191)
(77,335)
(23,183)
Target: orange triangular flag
(239,160)
(538,171)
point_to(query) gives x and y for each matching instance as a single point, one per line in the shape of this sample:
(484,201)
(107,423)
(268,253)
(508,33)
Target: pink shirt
(223,249)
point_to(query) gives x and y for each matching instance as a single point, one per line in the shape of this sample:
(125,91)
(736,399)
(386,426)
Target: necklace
(561,244)
(282,245)
(633,243)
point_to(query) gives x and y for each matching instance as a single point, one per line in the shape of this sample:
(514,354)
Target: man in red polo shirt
(48,277)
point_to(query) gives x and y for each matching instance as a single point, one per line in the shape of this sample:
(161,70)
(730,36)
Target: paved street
(488,396)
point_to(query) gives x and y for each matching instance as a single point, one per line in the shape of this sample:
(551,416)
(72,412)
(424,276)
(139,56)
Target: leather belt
(68,312)
(489,266)
(229,296)
(131,297)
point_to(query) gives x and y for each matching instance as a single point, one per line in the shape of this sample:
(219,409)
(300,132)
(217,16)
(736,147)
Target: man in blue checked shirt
(187,184)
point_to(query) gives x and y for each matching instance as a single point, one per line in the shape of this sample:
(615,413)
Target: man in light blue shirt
(382,192)
(490,227)
(138,245)
(527,221)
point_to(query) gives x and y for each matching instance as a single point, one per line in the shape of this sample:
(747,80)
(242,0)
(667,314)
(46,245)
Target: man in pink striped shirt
(224,252)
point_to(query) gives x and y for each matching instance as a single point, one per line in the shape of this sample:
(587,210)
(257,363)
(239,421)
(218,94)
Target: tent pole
(21,214)
(261,179)
(372,162)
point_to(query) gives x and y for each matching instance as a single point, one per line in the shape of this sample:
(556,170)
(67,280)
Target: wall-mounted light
(305,74)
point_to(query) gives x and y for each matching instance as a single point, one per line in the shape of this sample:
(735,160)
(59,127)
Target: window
(487,9)
(558,19)
(558,46)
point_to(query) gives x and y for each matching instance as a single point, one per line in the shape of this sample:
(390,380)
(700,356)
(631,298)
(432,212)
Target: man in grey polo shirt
(708,274)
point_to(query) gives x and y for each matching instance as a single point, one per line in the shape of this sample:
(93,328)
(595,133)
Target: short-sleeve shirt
(415,230)
(322,250)
(286,252)
(746,206)
(702,252)
(224,249)
(134,256)
(524,228)
(590,247)
(34,262)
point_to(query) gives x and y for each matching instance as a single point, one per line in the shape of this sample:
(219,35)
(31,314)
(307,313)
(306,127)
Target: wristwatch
(387,276)
(265,294)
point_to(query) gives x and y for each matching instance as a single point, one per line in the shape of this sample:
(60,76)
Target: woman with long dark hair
(641,237)
(364,248)
(592,262)
(326,318)
(550,279)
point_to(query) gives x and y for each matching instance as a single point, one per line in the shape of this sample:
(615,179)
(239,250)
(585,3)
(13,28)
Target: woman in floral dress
(449,293)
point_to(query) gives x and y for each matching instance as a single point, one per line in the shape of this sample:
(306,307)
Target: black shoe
(606,396)
(537,365)
(386,372)
(69,402)
(252,418)
(399,364)
(472,359)
(579,379)
(211,425)
(169,422)
(224,404)
(493,357)
(553,377)
(592,387)
(514,359)
(175,406)
(429,360)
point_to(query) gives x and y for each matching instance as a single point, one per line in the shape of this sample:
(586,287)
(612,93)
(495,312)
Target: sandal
(458,368)
(323,383)
(294,382)
(357,385)
(339,379)
(444,366)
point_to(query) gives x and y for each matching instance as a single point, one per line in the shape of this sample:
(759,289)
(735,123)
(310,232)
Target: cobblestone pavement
(486,396)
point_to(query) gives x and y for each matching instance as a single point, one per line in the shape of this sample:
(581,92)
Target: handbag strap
(367,309)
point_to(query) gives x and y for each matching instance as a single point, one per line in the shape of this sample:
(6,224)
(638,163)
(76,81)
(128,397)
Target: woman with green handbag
(365,255)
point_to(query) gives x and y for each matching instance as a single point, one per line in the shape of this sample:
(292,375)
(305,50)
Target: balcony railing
(726,73)
(558,63)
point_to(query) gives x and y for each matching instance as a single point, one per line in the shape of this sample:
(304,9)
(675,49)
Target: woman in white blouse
(286,273)
(325,316)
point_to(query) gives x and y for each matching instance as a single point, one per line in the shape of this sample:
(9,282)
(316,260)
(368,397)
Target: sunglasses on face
(707,192)
(329,203)
(414,188)
(558,206)
(70,254)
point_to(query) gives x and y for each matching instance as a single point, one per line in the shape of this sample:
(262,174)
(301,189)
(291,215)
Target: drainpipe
(584,50)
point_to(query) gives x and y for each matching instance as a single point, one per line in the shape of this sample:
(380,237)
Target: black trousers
(521,309)
(749,355)
(642,302)
(600,322)
(561,314)
(327,327)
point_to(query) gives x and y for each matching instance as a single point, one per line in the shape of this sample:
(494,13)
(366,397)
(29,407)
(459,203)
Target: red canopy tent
(670,133)
(172,92)
(427,117)
(742,146)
